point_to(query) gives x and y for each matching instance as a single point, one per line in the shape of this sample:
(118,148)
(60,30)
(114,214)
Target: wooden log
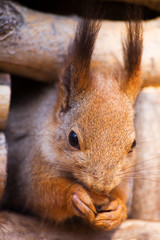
(146,191)
(17,227)
(3,163)
(5,94)
(33,44)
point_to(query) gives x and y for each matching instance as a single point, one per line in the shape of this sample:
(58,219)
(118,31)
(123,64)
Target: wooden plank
(146,192)
(3,163)
(5,94)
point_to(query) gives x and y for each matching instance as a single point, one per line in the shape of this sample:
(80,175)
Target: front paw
(82,203)
(111,215)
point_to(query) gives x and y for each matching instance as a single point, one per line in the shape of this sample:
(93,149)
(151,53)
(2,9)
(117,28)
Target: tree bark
(146,191)
(33,44)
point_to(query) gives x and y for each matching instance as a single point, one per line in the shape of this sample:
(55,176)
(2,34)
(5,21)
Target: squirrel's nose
(101,186)
(94,184)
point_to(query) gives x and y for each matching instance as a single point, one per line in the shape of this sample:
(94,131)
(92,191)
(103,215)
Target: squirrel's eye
(133,146)
(73,140)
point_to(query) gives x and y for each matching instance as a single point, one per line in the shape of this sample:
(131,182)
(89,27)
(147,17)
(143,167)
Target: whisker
(141,162)
(144,178)
(142,170)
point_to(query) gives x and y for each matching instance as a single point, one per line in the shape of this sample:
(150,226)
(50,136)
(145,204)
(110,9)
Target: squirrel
(71,143)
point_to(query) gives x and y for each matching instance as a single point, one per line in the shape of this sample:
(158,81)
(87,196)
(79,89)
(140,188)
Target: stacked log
(33,44)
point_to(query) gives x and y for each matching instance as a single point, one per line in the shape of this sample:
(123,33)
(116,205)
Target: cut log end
(5,93)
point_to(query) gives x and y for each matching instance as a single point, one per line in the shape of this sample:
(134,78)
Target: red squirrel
(70,145)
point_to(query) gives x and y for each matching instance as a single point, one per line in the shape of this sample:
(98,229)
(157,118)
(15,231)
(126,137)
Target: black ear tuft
(132,47)
(75,76)
(132,53)
(82,48)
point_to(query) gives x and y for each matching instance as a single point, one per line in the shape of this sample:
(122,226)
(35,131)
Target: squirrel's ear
(74,78)
(132,54)
(64,89)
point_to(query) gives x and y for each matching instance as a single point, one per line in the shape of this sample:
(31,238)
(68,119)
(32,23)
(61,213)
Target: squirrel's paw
(82,203)
(110,216)
(106,216)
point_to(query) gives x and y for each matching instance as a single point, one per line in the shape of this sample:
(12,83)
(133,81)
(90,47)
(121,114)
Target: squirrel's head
(94,118)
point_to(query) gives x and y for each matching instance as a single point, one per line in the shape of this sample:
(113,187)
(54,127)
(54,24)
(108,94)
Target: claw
(82,204)
(111,216)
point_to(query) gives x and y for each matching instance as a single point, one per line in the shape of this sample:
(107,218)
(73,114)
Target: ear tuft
(132,54)
(74,78)
(82,49)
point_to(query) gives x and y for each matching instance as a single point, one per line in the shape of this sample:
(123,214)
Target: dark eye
(73,140)
(133,146)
